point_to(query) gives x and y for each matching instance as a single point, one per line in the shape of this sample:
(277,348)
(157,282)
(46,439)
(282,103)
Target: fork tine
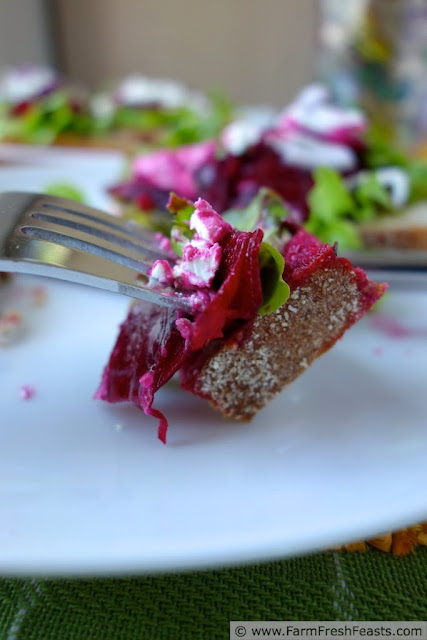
(52,241)
(100,232)
(126,227)
(99,235)
(80,241)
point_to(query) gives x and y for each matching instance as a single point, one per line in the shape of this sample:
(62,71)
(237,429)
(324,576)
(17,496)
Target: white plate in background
(86,487)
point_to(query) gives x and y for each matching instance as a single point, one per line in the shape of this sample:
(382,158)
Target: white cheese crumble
(25,83)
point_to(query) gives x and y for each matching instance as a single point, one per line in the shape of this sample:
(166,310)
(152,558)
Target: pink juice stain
(27,391)
(392,328)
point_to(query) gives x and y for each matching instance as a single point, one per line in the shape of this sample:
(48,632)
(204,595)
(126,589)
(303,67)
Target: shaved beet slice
(147,353)
(233,181)
(150,348)
(240,294)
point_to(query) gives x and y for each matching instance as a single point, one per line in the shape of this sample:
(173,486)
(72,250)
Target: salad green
(335,208)
(266,211)
(41,121)
(65,190)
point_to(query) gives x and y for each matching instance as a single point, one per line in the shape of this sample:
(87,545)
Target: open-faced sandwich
(159,112)
(265,301)
(37,105)
(335,179)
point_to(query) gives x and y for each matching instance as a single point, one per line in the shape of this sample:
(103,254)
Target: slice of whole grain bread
(242,374)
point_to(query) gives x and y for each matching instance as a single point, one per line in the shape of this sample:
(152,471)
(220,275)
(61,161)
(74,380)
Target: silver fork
(50,236)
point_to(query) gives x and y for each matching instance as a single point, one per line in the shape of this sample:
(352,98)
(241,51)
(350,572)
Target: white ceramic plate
(86,487)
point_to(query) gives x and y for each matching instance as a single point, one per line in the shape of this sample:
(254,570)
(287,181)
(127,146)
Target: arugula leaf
(65,190)
(180,232)
(177,126)
(266,211)
(177,204)
(274,289)
(417,172)
(244,219)
(45,118)
(342,231)
(155,220)
(371,190)
(371,199)
(329,198)
(380,153)
(268,206)
(335,208)
(331,208)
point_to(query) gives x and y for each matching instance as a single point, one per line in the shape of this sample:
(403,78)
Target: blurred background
(255,52)
(369,52)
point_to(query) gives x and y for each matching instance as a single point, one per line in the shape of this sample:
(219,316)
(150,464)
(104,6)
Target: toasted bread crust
(414,238)
(405,231)
(251,368)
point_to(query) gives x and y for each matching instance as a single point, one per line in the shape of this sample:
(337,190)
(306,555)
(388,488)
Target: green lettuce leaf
(274,289)
(180,232)
(45,119)
(335,209)
(178,126)
(266,211)
(65,190)
(382,153)
(331,207)
(330,198)
(371,199)
(417,172)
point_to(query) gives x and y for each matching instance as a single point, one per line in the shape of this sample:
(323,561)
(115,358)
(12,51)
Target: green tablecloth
(199,605)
